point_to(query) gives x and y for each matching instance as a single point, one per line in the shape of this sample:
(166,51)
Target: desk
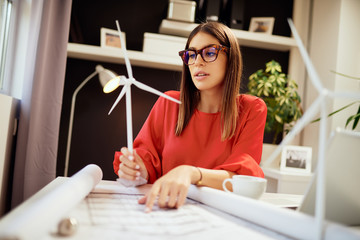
(228,213)
(94,228)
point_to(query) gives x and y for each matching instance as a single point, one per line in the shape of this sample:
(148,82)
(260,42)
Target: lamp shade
(112,84)
(105,75)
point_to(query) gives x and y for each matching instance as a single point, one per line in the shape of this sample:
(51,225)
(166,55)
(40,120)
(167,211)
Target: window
(5,14)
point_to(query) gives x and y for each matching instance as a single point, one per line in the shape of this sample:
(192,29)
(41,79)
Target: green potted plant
(279,92)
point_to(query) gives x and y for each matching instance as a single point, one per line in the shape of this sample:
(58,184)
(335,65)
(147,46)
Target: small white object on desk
(129,183)
(67,226)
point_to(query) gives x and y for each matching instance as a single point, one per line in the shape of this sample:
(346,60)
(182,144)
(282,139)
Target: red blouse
(200,142)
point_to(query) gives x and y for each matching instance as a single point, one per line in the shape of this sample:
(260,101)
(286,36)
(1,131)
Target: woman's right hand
(131,166)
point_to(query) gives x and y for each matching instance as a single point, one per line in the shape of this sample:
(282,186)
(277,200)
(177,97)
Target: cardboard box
(181,10)
(181,29)
(161,44)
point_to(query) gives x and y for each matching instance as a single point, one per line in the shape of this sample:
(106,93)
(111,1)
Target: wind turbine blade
(122,93)
(309,66)
(152,90)
(123,48)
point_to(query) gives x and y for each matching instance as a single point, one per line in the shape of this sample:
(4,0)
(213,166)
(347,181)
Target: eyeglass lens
(208,54)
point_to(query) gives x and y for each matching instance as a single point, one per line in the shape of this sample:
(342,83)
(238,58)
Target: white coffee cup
(248,186)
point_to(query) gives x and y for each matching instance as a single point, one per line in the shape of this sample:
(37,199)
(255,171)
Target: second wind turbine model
(127,82)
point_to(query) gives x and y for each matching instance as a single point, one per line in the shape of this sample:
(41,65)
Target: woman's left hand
(172,188)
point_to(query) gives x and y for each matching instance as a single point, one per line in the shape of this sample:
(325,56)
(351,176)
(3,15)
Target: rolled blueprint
(44,210)
(286,221)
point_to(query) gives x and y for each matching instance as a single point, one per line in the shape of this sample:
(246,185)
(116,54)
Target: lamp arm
(66,169)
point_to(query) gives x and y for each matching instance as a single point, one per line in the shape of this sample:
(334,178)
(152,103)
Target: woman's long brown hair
(189,94)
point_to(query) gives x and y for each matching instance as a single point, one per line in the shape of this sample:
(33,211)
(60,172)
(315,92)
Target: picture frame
(262,25)
(110,38)
(296,159)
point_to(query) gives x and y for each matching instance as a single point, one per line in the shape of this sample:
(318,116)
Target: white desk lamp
(105,76)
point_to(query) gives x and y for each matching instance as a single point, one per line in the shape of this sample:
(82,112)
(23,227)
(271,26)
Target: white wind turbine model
(319,105)
(126,82)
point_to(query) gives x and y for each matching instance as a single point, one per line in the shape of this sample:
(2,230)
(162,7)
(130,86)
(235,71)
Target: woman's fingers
(151,197)
(163,196)
(142,200)
(127,157)
(129,169)
(182,196)
(140,165)
(170,190)
(173,197)
(166,196)
(128,173)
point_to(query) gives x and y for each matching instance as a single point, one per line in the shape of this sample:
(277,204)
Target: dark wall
(135,18)
(96,136)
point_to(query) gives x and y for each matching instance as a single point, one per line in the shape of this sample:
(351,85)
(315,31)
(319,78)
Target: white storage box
(161,44)
(181,29)
(181,10)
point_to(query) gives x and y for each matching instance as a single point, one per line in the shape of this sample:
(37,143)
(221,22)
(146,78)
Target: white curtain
(37,140)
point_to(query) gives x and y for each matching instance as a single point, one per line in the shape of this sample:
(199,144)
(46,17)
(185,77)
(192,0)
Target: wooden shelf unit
(142,59)
(137,58)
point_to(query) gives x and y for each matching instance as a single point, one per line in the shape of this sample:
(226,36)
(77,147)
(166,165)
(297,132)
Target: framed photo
(262,24)
(296,159)
(110,38)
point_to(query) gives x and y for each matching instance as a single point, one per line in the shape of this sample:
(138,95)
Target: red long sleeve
(200,143)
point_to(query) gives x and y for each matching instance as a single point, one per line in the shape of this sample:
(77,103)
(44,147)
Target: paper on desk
(42,215)
(111,211)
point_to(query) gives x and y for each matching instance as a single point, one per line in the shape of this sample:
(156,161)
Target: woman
(214,134)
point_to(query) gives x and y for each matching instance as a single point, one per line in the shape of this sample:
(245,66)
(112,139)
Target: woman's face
(207,76)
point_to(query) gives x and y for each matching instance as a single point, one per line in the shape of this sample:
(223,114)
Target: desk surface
(100,211)
(292,201)
(120,213)
(108,192)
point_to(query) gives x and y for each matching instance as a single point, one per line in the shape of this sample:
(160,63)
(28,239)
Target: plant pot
(268,149)
(269,137)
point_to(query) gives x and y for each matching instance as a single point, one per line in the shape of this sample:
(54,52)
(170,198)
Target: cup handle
(224,184)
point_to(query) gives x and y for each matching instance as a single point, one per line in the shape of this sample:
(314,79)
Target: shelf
(151,60)
(264,41)
(137,58)
(245,38)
